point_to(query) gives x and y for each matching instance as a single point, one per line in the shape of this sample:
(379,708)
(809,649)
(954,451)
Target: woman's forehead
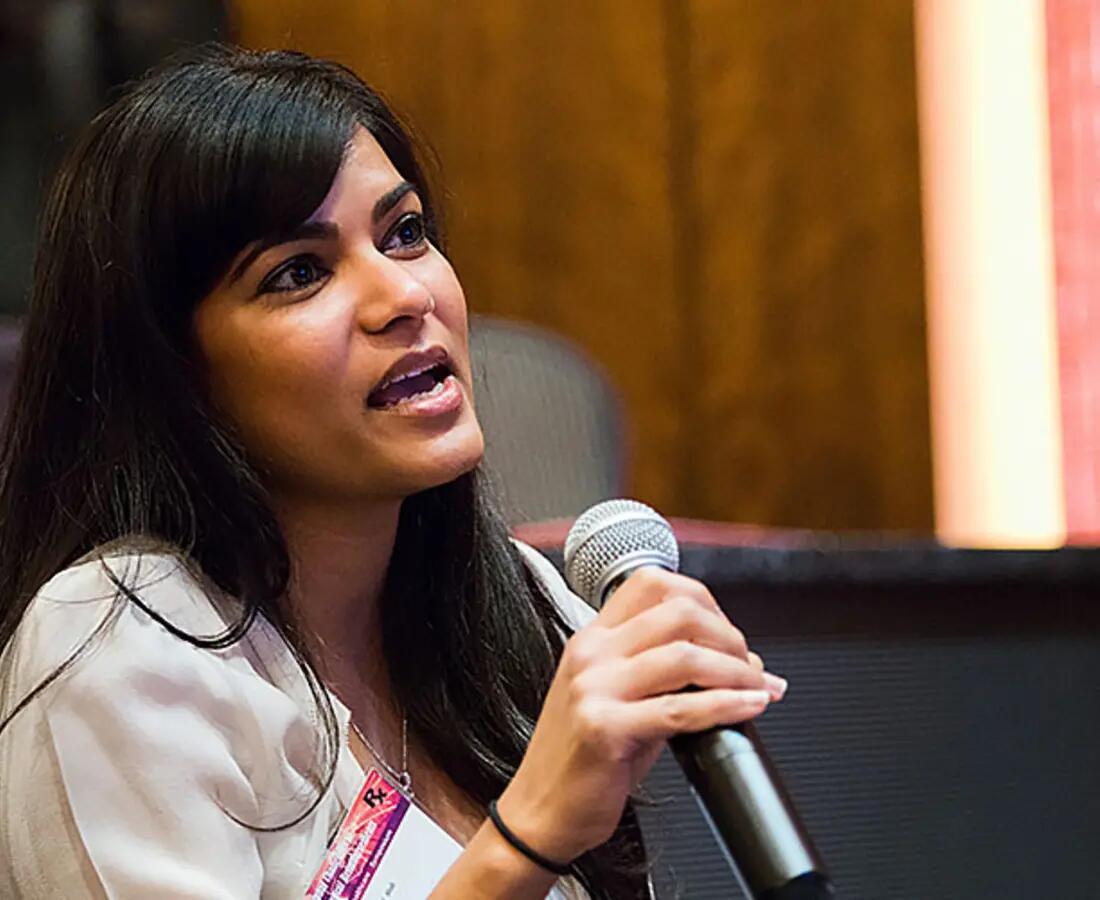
(365,174)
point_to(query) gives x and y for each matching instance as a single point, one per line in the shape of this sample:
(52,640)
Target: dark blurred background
(59,60)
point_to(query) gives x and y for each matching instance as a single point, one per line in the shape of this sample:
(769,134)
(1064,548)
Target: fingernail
(777,686)
(758,698)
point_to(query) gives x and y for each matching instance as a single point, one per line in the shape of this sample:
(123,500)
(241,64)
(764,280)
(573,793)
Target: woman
(246,553)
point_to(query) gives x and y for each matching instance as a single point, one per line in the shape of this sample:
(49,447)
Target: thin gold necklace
(404,777)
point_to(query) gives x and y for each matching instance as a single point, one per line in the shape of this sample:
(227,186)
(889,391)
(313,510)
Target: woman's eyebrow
(390,199)
(300,232)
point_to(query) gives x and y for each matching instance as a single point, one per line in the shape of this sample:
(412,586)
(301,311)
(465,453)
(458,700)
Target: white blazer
(123,778)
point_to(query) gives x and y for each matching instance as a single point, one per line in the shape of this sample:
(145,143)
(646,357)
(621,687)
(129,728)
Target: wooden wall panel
(811,331)
(717,199)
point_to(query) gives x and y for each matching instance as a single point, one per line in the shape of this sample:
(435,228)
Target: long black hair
(109,435)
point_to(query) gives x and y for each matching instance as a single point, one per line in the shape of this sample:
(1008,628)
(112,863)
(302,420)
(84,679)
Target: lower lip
(446,400)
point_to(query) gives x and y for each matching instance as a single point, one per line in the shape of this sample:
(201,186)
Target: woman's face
(340,352)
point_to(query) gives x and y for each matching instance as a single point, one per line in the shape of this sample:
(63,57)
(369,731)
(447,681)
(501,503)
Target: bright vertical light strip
(992,341)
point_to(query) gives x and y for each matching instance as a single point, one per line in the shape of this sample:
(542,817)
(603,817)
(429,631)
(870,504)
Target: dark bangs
(245,145)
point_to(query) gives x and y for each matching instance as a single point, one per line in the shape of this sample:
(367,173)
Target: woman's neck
(339,560)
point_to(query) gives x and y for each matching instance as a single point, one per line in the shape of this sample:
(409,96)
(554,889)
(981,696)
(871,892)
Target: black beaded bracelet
(537,858)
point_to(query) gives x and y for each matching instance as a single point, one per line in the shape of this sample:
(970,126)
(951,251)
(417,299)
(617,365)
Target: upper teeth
(411,374)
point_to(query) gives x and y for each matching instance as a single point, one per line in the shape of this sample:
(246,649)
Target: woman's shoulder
(107,630)
(171,581)
(141,737)
(133,630)
(574,610)
(118,608)
(115,654)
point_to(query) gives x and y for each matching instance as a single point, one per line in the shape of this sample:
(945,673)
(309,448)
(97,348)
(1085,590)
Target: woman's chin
(460,452)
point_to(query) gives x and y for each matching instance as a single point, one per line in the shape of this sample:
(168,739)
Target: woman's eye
(297,274)
(408,234)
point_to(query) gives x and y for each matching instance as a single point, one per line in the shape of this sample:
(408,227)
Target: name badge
(387,848)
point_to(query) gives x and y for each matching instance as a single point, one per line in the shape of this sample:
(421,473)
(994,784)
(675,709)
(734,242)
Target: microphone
(733,779)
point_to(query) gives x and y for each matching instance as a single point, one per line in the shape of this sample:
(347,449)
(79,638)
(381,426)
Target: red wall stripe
(1073,67)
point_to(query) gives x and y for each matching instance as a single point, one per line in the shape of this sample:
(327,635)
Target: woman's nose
(393,295)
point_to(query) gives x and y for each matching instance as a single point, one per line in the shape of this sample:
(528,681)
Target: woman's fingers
(672,667)
(661,717)
(646,588)
(679,618)
(677,640)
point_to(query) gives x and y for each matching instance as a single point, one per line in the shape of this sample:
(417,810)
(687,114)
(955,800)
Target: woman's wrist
(544,862)
(490,867)
(532,823)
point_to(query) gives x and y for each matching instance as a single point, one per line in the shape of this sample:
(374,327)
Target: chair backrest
(552,421)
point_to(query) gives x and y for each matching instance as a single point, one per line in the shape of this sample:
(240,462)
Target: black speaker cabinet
(940,733)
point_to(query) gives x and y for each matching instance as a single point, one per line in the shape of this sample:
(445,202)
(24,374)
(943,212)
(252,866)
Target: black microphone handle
(751,814)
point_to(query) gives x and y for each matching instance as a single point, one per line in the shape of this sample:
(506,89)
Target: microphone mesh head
(613,532)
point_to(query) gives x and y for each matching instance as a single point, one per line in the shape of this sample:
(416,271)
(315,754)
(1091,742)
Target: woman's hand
(617,696)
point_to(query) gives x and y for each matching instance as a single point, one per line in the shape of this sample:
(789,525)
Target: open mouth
(416,385)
